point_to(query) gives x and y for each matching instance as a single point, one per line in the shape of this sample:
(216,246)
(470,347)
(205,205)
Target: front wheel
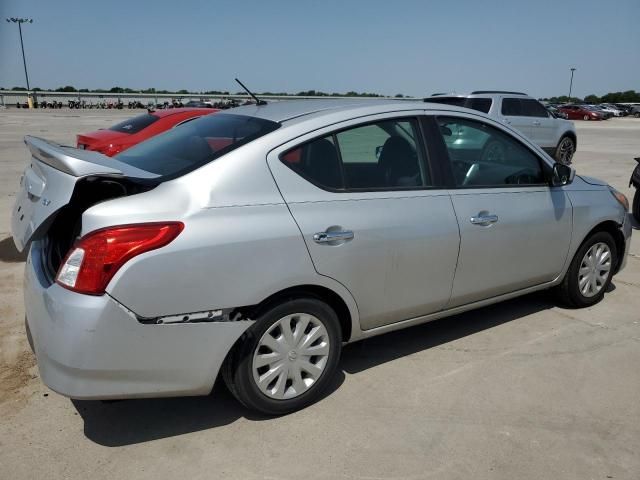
(565,150)
(635,208)
(287,359)
(586,117)
(590,272)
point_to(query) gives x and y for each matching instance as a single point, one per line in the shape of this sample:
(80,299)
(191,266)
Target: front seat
(323,164)
(399,163)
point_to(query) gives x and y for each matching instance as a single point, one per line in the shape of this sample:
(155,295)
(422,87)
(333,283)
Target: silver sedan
(255,243)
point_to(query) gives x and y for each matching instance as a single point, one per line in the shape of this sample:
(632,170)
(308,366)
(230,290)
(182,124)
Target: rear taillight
(96,257)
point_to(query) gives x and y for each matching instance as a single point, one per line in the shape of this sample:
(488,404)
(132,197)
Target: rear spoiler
(80,163)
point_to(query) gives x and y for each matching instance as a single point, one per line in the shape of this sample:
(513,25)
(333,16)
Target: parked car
(255,243)
(597,108)
(555,112)
(612,109)
(635,181)
(132,131)
(198,104)
(556,136)
(625,109)
(581,112)
(635,111)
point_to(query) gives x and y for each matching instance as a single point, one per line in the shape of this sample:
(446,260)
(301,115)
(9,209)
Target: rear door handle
(484,220)
(536,123)
(333,238)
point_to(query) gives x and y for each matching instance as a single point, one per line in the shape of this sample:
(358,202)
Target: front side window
(484,156)
(512,107)
(533,108)
(381,155)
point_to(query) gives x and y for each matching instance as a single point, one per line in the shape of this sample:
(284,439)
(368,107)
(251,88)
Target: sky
(402,46)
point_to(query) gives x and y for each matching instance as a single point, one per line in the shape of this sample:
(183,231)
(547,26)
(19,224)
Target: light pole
(20,21)
(571,82)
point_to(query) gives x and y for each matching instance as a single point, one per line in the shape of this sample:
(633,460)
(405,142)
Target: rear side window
(533,108)
(135,124)
(196,143)
(383,155)
(480,104)
(512,107)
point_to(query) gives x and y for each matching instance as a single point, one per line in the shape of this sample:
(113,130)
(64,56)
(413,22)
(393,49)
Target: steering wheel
(471,173)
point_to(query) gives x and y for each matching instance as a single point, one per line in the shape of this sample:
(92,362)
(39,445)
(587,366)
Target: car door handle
(331,237)
(536,123)
(484,220)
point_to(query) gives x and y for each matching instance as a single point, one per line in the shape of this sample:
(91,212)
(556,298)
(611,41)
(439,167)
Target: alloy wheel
(291,356)
(595,269)
(565,151)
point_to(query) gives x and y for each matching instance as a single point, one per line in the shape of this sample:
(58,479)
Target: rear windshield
(479,104)
(194,144)
(135,124)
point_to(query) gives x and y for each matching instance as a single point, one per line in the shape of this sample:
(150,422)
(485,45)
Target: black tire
(568,291)
(237,370)
(558,154)
(635,208)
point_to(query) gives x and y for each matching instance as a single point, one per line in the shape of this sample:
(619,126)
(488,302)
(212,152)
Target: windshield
(194,144)
(135,124)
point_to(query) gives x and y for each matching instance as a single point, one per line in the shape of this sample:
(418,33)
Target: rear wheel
(636,205)
(286,360)
(565,150)
(590,272)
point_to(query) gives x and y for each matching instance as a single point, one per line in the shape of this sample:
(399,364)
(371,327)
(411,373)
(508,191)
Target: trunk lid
(48,184)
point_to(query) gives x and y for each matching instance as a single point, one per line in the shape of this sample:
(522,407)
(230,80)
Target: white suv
(555,135)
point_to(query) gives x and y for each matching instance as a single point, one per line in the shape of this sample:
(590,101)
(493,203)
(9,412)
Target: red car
(580,112)
(134,130)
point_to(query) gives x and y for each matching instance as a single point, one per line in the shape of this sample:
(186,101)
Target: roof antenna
(258,101)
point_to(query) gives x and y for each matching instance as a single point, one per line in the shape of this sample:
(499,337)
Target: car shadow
(375,351)
(128,422)
(135,421)
(9,253)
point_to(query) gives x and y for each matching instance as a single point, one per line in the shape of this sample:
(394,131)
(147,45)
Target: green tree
(592,99)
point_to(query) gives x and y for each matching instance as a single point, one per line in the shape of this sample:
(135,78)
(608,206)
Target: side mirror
(562,175)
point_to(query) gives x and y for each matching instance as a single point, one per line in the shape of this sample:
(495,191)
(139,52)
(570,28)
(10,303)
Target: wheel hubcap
(566,151)
(594,269)
(291,356)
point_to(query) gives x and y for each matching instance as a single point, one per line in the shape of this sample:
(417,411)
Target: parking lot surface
(519,390)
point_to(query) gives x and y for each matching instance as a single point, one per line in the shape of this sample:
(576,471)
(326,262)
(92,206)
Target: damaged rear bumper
(91,347)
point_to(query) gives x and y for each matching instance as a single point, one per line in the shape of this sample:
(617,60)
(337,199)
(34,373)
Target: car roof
(289,110)
(480,93)
(173,111)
